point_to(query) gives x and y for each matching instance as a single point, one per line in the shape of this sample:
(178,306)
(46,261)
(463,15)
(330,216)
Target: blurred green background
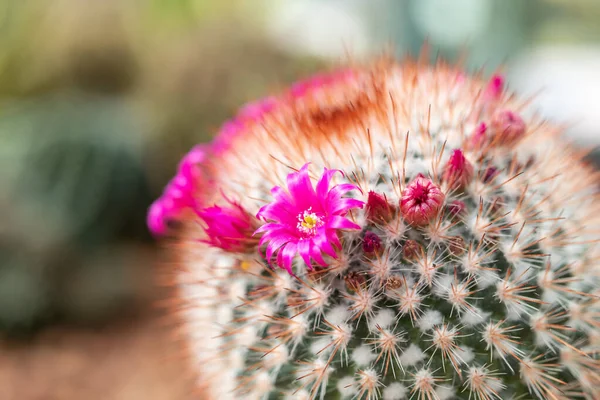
(100,99)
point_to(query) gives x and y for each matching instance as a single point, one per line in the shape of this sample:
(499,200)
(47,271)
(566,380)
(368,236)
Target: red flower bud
(378,208)
(371,243)
(458,171)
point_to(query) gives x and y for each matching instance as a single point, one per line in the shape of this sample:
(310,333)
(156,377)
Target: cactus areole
(345,239)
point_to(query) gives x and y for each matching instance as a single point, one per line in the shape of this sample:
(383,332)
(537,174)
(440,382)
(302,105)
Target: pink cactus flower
(228,132)
(458,172)
(179,193)
(317,82)
(508,127)
(255,111)
(195,156)
(229,228)
(421,201)
(252,113)
(155,219)
(305,220)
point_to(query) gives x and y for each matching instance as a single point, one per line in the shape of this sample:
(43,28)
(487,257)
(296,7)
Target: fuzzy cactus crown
(391,231)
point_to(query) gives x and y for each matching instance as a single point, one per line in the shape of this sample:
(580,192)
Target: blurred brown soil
(129,360)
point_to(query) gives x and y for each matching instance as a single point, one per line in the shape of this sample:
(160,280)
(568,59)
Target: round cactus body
(390,231)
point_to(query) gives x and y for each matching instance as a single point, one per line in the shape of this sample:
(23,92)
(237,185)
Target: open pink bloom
(179,192)
(421,201)
(305,220)
(229,228)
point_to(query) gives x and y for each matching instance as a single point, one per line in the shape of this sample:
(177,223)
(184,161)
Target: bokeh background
(99,100)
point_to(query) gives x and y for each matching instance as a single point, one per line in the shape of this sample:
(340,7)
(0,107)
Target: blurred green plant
(72,182)
(88,90)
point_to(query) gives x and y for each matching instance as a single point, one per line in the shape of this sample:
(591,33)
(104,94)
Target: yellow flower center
(308,222)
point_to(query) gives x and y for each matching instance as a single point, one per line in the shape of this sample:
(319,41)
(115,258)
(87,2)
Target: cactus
(388,231)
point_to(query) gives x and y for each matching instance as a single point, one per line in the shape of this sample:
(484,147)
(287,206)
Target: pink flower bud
(479,136)
(421,201)
(229,228)
(458,171)
(371,243)
(494,88)
(508,127)
(378,208)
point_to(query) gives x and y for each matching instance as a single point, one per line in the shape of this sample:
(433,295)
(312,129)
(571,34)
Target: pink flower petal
(332,236)
(323,184)
(321,241)
(337,222)
(286,256)
(304,250)
(301,189)
(305,220)
(343,205)
(315,253)
(339,190)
